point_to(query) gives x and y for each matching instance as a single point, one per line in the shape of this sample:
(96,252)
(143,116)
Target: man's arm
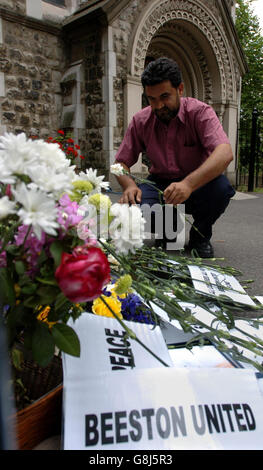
(131,193)
(214,165)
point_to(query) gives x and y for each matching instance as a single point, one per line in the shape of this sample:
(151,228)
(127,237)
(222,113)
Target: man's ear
(181,89)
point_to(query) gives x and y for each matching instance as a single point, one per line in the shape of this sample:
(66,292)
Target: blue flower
(133,309)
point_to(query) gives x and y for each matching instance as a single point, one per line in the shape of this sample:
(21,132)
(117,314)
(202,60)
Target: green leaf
(56,250)
(43,345)
(17,358)
(30,289)
(47,295)
(61,301)
(48,281)
(7,288)
(20,267)
(66,339)
(12,249)
(31,302)
(41,258)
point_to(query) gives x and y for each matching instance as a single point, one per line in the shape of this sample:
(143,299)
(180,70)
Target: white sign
(164,408)
(259,299)
(199,356)
(104,348)
(210,281)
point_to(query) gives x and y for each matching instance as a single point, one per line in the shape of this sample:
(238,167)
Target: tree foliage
(251,39)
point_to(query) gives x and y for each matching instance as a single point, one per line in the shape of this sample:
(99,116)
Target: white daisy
(127,227)
(6,207)
(97,181)
(37,209)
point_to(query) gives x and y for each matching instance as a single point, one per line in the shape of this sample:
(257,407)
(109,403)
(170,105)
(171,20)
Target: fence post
(252,150)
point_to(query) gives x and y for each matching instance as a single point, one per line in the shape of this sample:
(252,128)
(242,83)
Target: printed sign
(164,408)
(104,347)
(259,299)
(199,312)
(210,281)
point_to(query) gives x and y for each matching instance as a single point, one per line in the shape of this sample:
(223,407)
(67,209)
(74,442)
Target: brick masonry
(32,61)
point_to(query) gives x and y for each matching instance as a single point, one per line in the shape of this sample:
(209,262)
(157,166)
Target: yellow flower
(99,308)
(100,201)
(81,188)
(43,316)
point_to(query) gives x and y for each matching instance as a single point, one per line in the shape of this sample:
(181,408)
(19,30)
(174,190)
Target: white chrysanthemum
(6,207)
(117,169)
(127,227)
(6,175)
(37,209)
(45,163)
(97,181)
(51,155)
(16,155)
(49,180)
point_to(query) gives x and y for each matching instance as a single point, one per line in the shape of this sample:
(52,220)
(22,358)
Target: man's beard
(165,114)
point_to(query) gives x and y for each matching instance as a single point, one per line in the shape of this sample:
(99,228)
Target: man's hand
(177,193)
(131,195)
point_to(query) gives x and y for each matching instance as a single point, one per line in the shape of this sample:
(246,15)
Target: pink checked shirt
(177,149)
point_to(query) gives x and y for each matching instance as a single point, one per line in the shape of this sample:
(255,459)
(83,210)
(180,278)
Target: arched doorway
(189,33)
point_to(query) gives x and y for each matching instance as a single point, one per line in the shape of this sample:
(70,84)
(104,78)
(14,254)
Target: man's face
(164,100)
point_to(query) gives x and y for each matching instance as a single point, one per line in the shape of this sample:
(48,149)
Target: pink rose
(82,275)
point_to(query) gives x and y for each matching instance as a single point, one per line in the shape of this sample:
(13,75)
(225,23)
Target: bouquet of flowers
(66,249)
(50,261)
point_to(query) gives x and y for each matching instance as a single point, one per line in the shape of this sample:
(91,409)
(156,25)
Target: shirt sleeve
(131,146)
(210,129)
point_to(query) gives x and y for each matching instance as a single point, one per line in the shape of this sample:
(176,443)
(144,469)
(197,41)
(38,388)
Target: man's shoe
(203,248)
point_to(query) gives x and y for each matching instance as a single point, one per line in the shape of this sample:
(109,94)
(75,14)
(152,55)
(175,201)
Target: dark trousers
(206,204)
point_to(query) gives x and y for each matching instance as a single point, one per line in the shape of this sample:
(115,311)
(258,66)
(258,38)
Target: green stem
(26,236)
(132,335)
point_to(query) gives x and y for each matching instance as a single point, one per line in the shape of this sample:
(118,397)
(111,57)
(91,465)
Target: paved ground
(238,238)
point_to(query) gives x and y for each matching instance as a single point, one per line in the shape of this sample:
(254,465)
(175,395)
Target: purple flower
(3,259)
(32,246)
(68,212)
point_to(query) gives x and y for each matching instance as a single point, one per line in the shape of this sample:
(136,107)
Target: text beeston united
(123,426)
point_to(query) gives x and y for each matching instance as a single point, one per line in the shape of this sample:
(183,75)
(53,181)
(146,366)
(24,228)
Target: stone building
(76,65)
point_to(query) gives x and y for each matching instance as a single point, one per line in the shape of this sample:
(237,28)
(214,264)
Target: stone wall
(84,46)
(32,60)
(123,30)
(94,105)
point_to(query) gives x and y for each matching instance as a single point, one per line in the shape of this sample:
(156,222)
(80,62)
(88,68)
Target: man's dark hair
(160,70)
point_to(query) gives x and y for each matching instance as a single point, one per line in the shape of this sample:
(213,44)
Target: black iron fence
(250,158)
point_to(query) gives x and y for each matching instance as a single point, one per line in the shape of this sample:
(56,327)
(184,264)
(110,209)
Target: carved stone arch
(193,81)
(186,50)
(206,28)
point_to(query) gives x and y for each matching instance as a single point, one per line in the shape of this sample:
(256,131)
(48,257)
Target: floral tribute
(51,264)
(65,249)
